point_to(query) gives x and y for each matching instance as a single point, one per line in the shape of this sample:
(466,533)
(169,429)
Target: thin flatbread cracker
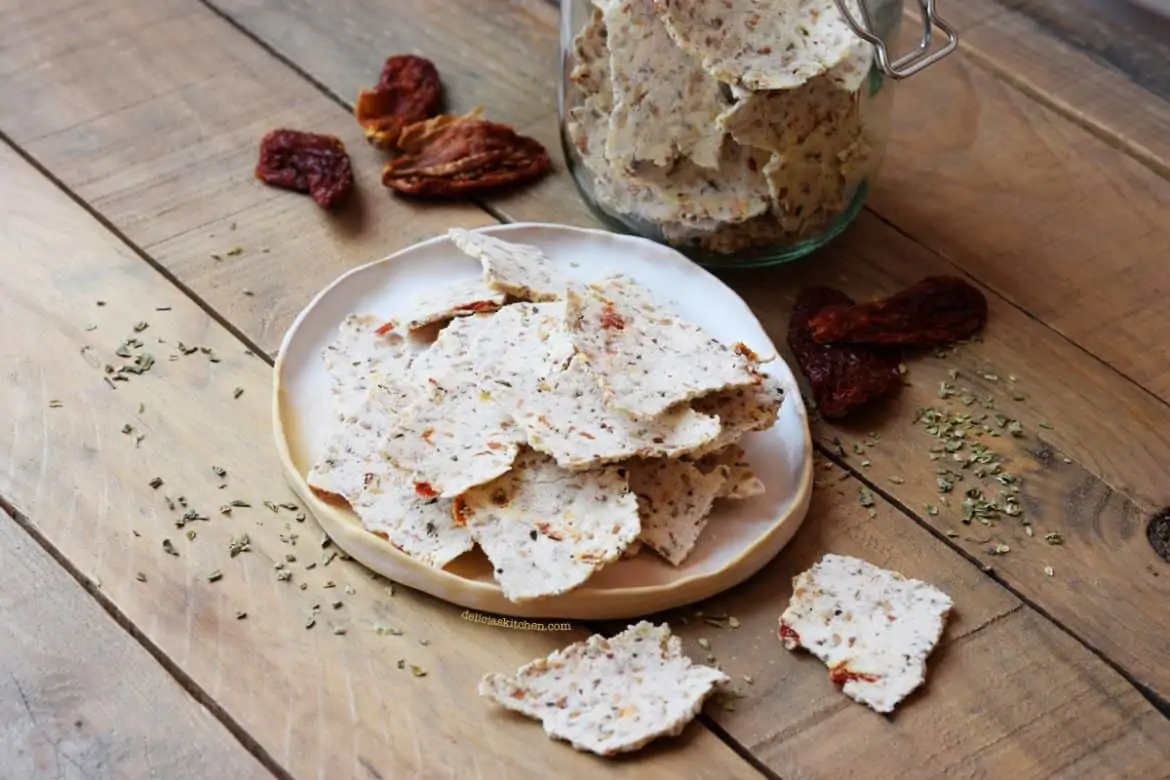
(665,105)
(519,270)
(741,410)
(383,497)
(674,501)
(567,417)
(591,61)
(762,44)
(423,528)
(351,451)
(779,120)
(367,350)
(610,696)
(547,530)
(452,438)
(872,627)
(741,482)
(644,358)
(446,302)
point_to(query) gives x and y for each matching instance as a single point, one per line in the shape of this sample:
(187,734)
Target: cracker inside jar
(760,138)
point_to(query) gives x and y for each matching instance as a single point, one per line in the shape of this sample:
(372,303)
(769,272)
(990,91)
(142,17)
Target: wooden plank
(1116,457)
(332,691)
(967,151)
(109,712)
(195,96)
(1002,699)
(320,702)
(1078,225)
(1102,63)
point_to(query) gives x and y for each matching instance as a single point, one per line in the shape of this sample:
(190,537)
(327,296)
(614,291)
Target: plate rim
(583,602)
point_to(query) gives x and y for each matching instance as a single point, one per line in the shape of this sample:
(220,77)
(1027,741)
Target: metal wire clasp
(916,60)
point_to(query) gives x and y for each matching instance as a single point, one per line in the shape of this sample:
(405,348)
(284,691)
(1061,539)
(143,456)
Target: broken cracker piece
(665,105)
(457,299)
(367,350)
(519,270)
(382,495)
(547,530)
(741,482)
(674,501)
(610,696)
(644,358)
(762,44)
(872,627)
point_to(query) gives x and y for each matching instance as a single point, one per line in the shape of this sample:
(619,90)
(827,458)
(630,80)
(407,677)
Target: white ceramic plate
(741,537)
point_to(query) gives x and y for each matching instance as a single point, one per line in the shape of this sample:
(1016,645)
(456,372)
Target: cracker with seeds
(872,627)
(610,696)
(367,350)
(645,359)
(547,530)
(566,416)
(674,501)
(741,482)
(446,302)
(519,270)
(762,44)
(742,410)
(383,496)
(450,439)
(665,105)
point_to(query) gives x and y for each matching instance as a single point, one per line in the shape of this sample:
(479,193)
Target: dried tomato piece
(937,310)
(306,162)
(408,91)
(843,378)
(450,156)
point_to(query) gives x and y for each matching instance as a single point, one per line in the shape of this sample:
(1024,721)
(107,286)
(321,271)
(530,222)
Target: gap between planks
(984,62)
(1160,704)
(176,671)
(189,685)
(1097,129)
(705,720)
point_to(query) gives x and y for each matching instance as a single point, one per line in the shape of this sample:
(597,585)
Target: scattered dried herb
(1054,538)
(237,392)
(169,548)
(140,576)
(215,576)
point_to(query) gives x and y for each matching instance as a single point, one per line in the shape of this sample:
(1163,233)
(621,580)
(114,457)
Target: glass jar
(729,129)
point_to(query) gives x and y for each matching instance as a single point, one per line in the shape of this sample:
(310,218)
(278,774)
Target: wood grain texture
(345,709)
(1001,688)
(153,112)
(1103,63)
(108,712)
(967,151)
(1098,502)
(325,698)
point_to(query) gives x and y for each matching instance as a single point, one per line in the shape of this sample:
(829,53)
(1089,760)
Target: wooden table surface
(1036,161)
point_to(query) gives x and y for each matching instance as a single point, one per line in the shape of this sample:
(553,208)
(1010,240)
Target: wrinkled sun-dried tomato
(451,156)
(843,378)
(937,310)
(408,91)
(306,162)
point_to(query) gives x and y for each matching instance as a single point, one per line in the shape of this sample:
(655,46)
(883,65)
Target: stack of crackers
(730,125)
(556,425)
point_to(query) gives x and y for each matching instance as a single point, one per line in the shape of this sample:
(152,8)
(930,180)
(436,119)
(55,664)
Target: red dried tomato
(843,378)
(452,156)
(408,91)
(306,162)
(937,310)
